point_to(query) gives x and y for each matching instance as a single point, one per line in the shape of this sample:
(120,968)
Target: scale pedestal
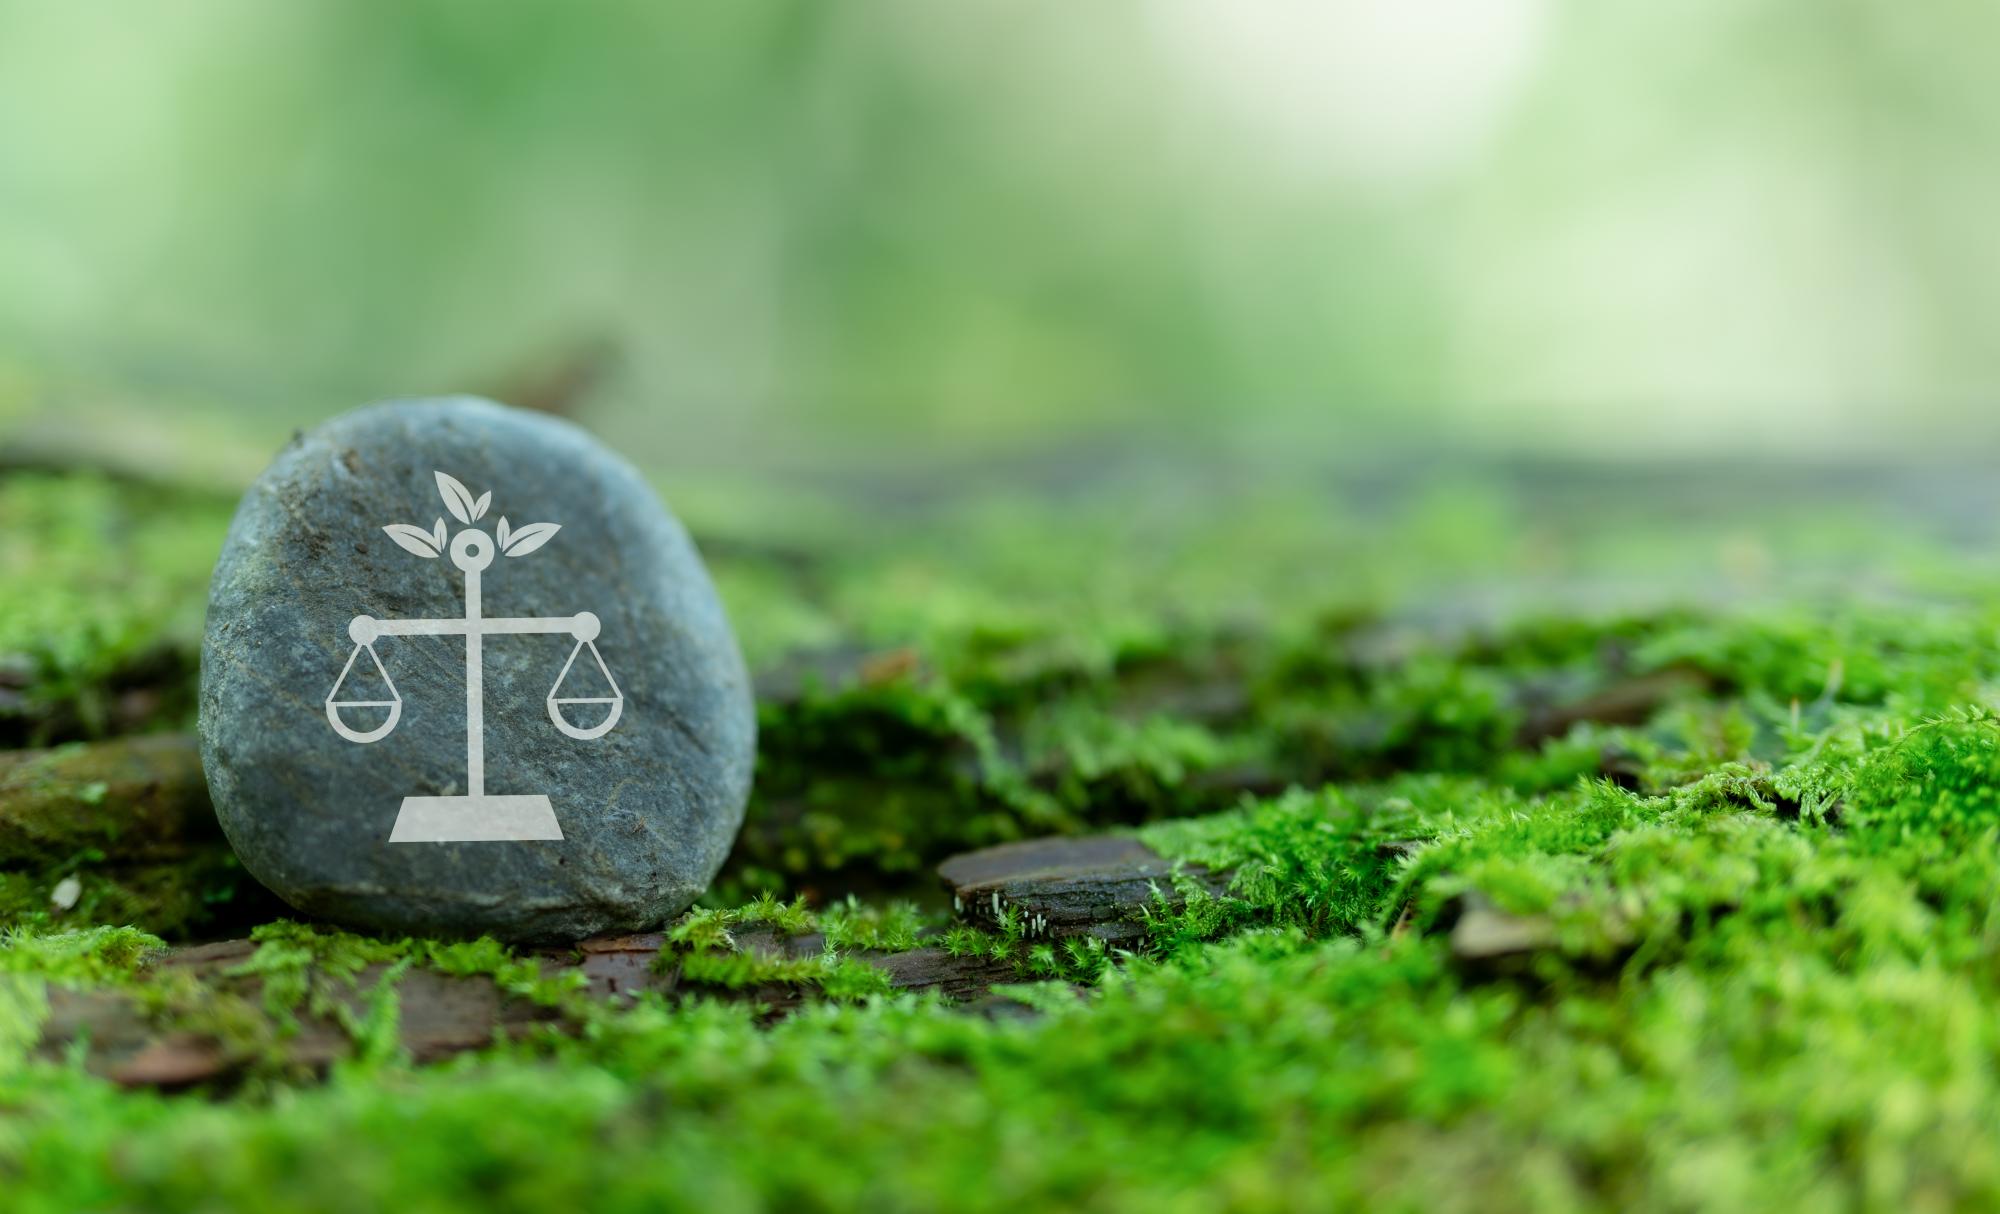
(481,819)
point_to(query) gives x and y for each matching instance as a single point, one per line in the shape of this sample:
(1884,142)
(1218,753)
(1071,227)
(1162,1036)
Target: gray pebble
(579,829)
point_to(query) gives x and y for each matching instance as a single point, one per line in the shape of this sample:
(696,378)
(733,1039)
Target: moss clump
(95,954)
(31,959)
(703,949)
(1937,785)
(101,593)
(1011,940)
(205,891)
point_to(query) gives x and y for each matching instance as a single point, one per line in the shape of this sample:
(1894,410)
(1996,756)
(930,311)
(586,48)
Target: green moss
(298,965)
(826,973)
(1757,967)
(893,928)
(95,954)
(101,591)
(514,974)
(1938,785)
(30,960)
(203,891)
(702,948)
(1079,959)
(1439,1094)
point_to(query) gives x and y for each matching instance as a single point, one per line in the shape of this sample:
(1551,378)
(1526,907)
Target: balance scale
(478,816)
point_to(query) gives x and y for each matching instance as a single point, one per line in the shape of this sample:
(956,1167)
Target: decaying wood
(165,1034)
(624,965)
(131,1044)
(155,1036)
(1091,886)
(137,799)
(959,979)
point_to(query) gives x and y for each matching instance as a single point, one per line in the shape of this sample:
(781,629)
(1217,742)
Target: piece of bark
(1095,885)
(137,1041)
(207,960)
(442,1015)
(146,1040)
(123,1044)
(933,969)
(924,968)
(134,799)
(624,965)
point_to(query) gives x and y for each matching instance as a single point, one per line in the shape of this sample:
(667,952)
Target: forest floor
(1494,838)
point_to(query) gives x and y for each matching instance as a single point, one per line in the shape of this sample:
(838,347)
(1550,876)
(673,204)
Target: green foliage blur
(777,233)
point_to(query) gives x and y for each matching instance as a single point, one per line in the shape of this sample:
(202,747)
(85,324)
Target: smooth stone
(646,812)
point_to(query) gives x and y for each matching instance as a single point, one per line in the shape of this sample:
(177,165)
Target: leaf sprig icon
(468,509)
(527,539)
(459,500)
(428,544)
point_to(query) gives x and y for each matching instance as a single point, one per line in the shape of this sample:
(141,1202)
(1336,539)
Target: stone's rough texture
(647,811)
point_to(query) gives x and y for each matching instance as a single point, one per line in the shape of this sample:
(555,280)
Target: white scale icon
(477,816)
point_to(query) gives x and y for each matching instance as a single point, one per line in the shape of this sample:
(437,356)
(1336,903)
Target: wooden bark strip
(134,799)
(126,1038)
(1095,885)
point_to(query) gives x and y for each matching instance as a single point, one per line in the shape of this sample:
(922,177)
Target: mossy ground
(1757,917)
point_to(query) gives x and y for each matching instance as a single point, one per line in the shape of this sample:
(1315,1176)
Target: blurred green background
(793,236)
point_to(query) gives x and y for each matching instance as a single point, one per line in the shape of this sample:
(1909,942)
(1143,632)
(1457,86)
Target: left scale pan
(335,705)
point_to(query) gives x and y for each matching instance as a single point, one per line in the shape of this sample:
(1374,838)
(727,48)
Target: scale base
(483,819)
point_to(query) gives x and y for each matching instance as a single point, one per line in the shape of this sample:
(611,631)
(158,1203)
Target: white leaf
(479,507)
(503,532)
(413,539)
(437,535)
(457,498)
(530,537)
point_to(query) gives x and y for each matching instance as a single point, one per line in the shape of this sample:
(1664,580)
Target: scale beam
(583,626)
